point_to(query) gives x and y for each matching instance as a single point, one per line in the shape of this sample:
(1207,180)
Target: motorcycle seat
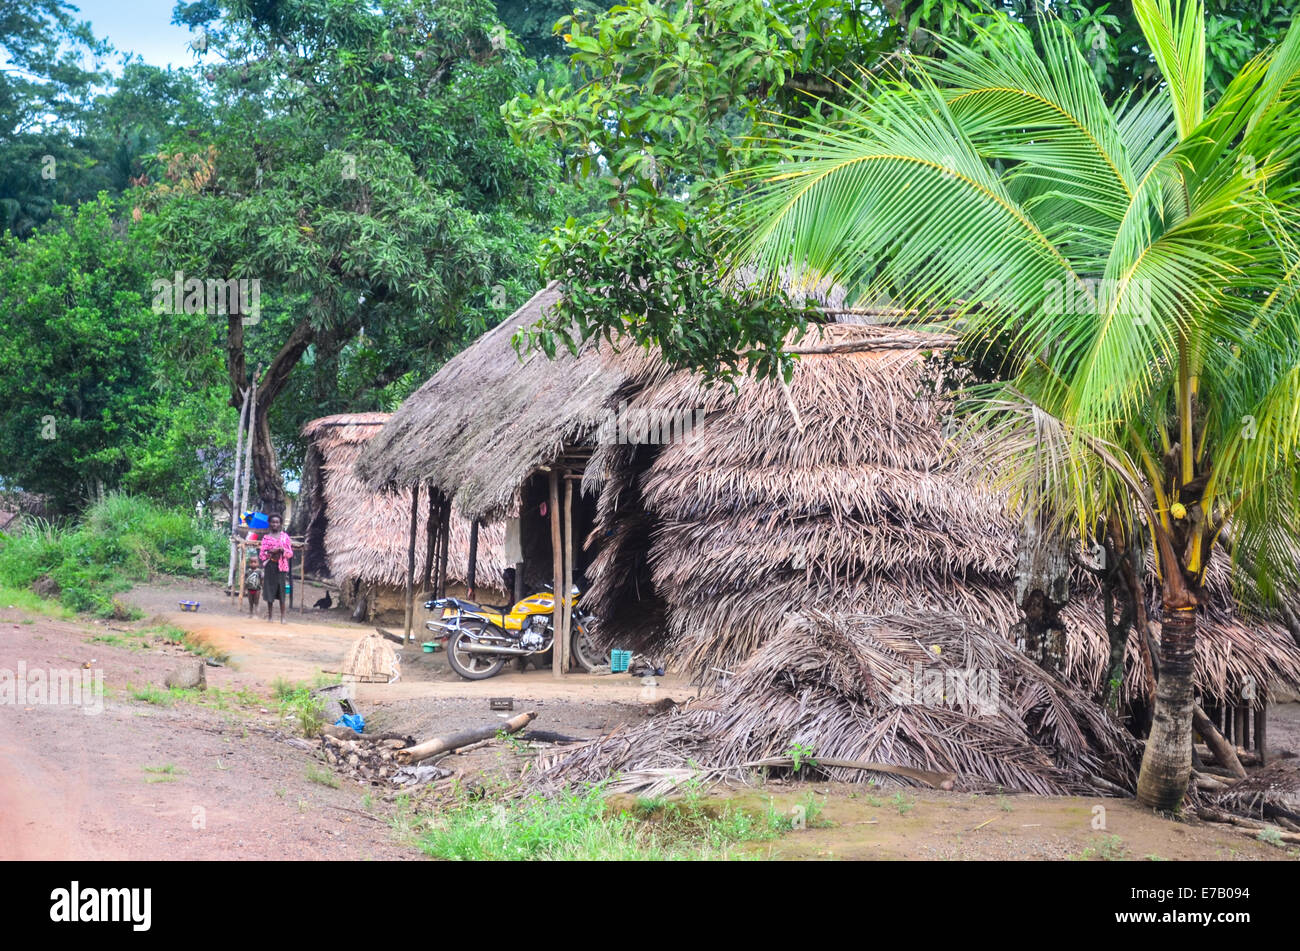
(463,605)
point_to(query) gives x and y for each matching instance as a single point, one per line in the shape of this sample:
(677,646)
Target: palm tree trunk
(1167,762)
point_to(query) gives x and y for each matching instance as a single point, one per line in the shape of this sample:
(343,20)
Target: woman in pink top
(276,550)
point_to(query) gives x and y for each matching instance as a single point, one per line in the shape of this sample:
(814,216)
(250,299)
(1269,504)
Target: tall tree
(75,375)
(46,92)
(360,172)
(1139,256)
(664,96)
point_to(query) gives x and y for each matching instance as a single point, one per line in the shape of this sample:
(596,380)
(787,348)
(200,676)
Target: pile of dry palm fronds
(839,492)
(1272,792)
(925,692)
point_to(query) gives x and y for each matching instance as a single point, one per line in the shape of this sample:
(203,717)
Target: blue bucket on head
(257,520)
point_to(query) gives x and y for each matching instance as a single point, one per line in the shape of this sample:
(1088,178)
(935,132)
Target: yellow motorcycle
(482,637)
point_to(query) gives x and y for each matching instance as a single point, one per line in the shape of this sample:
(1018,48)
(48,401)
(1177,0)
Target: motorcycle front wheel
(472,666)
(584,647)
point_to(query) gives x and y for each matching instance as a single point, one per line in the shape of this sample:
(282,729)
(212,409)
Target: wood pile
(393,759)
(366,759)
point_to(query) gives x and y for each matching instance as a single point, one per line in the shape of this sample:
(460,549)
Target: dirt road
(195,781)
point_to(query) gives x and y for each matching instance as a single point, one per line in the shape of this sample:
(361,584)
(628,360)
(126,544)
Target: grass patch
(166,773)
(580,825)
(175,635)
(219,698)
(149,693)
(167,633)
(127,641)
(119,541)
(26,600)
(324,777)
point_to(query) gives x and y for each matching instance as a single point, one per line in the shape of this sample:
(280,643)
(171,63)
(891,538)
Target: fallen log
(546,736)
(444,744)
(931,779)
(1250,827)
(1223,752)
(1208,782)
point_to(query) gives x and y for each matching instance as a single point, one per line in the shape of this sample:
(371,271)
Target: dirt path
(194,781)
(139,780)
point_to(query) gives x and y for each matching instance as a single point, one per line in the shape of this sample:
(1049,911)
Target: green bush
(119,541)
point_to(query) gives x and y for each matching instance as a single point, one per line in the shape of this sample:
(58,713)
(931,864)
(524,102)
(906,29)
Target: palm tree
(1140,261)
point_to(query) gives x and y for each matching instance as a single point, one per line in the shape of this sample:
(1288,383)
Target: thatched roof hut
(357,534)
(831,504)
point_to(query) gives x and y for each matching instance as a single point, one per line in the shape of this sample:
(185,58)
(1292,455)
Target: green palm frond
(1142,260)
(1175,30)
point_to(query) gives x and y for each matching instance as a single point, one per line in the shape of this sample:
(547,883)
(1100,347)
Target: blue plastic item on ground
(619,660)
(353,721)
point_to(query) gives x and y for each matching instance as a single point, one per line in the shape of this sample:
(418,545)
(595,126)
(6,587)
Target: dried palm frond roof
(367,531)
(484,422)
(926,692)
(839,492)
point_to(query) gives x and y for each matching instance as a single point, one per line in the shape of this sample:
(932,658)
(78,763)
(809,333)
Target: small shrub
(165,773)
(160,696)
(307,710)
(1270,835)
(324,777)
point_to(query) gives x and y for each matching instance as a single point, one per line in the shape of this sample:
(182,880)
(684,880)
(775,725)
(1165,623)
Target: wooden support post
(248,446)
(567,600)
(410,561)
(302,577)
(234,497)
(444,541)
(430,542)
(471,571)
(1239,725)
(1261,716)
(557,572)
(519,591)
